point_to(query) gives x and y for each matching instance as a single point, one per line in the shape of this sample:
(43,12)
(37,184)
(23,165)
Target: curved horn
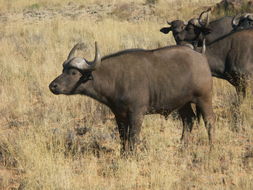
(195,22)
(169,23)
(235,20)
(189,45)
(207,20)
(97,60)
(246,15)
(250,16)
(203,51)
(73,50)
(81,63)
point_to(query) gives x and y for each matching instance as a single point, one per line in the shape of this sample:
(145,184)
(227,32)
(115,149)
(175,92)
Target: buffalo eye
(189,28)
(73,73)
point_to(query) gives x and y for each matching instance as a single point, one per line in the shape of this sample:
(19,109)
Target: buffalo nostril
(53,86)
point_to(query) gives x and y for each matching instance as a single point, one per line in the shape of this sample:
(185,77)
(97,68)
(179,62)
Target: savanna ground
(39,148)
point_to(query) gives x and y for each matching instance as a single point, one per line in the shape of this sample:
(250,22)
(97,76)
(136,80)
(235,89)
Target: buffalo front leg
(123,132)
(135,122)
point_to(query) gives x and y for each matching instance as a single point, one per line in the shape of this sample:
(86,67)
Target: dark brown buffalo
(244,21)
(198,26)
(133,83)
(230,57)
(176,26)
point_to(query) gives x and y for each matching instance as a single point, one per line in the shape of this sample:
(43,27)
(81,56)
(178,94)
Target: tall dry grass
(37,4)
(34,153)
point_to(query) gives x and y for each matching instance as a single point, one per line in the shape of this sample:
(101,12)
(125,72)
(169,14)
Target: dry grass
(34,122)
(21,4)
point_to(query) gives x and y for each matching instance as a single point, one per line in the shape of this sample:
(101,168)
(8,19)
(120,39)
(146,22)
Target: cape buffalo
(176,26)
(230,57)
(133,83)
(196,27)
(244,21)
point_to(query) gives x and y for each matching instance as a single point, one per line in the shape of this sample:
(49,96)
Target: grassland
(35,38)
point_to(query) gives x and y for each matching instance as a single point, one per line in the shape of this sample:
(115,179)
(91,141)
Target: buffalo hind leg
(241,92)
(123,132)
(241,86)
(236,106)
(187,115)
(205,105)
(198,113)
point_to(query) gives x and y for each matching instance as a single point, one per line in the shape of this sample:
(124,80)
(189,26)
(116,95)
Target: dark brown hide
(213,31)
(244,21)
(191,32)
(134,83)
(231,58)
(176,26)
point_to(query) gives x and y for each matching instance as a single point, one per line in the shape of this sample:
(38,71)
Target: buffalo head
(77,72)
(242,21)
(176,27)
(195,30)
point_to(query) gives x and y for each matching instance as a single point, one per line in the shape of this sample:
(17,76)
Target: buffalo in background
(215,29)
(230,56)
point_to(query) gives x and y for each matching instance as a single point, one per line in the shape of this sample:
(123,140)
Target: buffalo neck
(99,88)
(219,28)
(216,53)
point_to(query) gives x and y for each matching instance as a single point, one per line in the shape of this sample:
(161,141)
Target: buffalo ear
(165,30)
(206,31)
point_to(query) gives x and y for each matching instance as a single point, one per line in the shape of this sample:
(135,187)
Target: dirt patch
(232,7)
(9,178)
(128,11)
(133,13)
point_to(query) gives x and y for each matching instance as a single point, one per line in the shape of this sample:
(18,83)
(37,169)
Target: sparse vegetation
(35,125)
(231,8)
(151,1)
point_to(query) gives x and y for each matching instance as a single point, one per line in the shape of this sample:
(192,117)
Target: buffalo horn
(97,60)
(236,19)
(203,51)
(195,22)
(207,19)
(73,50)
(250,16)
(81,63)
